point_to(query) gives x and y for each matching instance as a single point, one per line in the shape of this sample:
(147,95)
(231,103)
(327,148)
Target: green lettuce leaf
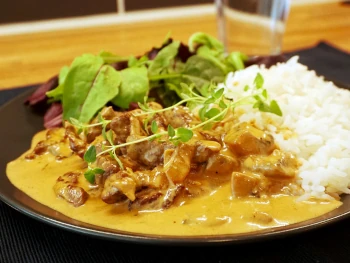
(134,86)
(88,86)
(56,94)
(164,58)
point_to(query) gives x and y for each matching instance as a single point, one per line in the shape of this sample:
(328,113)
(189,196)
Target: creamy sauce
(215,214)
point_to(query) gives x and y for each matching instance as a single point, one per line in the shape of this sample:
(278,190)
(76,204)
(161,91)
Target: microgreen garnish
(264,93)
(82,127)
(178,135)
(154,126)
(183,134)
(90,157)
(91,173)
(171,131)
(275,108)
(259,81)
(90,154)
(212,108)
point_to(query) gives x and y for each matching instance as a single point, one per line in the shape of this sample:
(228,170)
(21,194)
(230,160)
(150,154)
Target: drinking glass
(254,27)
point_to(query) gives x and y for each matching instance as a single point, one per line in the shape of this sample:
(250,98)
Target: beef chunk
(76,144)
(204,149)
(222,164)
(67,187)
(148,153)
(276,165)
(246,140)
(118,187)
(178,117)
(121,127)
(177,162)
(247,184)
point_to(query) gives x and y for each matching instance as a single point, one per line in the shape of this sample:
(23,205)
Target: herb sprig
(212,108)
(90,157)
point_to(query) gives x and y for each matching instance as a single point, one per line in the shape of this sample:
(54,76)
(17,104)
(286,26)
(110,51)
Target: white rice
(315,124)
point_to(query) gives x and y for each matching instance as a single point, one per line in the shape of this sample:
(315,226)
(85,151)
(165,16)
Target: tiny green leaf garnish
(222,104)
(154,126)
(212,113)
(142,106)
(202,112)
(259,81)
(237,60)
(275,108)
(218,94)
(75,122)
(246,88)
(109,136)
(171,131)
(264,93)
(90,154)
(210,100)
(98,170)
(90,174)
(257,97)
(184,134)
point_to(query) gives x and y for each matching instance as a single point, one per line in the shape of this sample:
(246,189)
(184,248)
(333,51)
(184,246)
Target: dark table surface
(23,239)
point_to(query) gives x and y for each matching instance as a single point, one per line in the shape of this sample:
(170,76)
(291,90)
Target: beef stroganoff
(228,155)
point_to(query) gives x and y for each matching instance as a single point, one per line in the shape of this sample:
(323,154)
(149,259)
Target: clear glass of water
(254,27)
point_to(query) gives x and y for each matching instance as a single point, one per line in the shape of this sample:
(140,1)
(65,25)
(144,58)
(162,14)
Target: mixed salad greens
(174,74)
(92,81)
(168,74)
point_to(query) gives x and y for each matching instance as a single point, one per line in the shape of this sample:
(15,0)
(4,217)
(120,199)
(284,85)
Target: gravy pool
(217,213)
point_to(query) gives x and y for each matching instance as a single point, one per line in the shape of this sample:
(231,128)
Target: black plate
(19,124)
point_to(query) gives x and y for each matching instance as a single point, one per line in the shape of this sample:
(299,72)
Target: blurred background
(38,37)
(22,10)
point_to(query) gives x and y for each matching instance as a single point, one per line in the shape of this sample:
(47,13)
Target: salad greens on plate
(92,81)
(172,74)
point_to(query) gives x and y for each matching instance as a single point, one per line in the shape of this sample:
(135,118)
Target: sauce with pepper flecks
(213,214)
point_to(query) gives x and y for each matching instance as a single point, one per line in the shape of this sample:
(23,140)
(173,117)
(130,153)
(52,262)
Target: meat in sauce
(155,174)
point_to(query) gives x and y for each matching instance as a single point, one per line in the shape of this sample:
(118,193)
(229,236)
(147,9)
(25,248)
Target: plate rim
(141,238)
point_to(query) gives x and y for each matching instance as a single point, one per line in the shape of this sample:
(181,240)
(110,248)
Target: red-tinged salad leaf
(155,50)
(184,52)
(88,86)
(53,116)
(39,94)
(268,61)
(134,87)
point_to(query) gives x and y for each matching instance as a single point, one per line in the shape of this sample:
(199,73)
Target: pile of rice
(315,125)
